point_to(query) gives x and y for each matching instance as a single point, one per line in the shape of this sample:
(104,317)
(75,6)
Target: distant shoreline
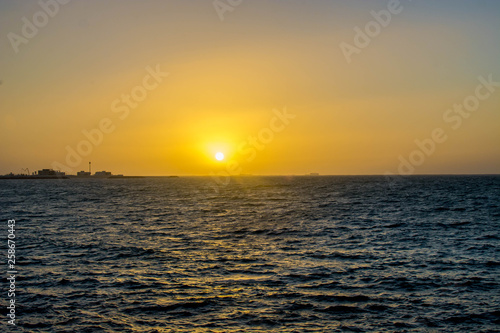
(70,177)
(20,177)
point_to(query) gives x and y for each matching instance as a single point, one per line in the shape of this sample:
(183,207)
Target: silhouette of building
(102,174)
(50,172)
(83,174)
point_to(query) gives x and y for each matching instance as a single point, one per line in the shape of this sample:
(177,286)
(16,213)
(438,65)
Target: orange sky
(231,84)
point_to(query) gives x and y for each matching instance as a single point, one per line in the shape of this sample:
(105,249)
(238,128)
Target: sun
(219,156)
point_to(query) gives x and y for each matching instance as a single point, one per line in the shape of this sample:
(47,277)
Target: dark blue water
(264,254)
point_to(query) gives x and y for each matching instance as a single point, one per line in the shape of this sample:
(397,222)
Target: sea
(256,254)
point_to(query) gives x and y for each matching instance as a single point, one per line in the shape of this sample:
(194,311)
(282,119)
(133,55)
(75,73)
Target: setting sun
(219,156)
(255,165)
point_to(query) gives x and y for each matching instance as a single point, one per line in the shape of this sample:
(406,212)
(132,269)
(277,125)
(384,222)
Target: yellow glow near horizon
(227,80)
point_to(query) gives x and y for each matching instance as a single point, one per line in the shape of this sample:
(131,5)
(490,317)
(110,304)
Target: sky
(279,87)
